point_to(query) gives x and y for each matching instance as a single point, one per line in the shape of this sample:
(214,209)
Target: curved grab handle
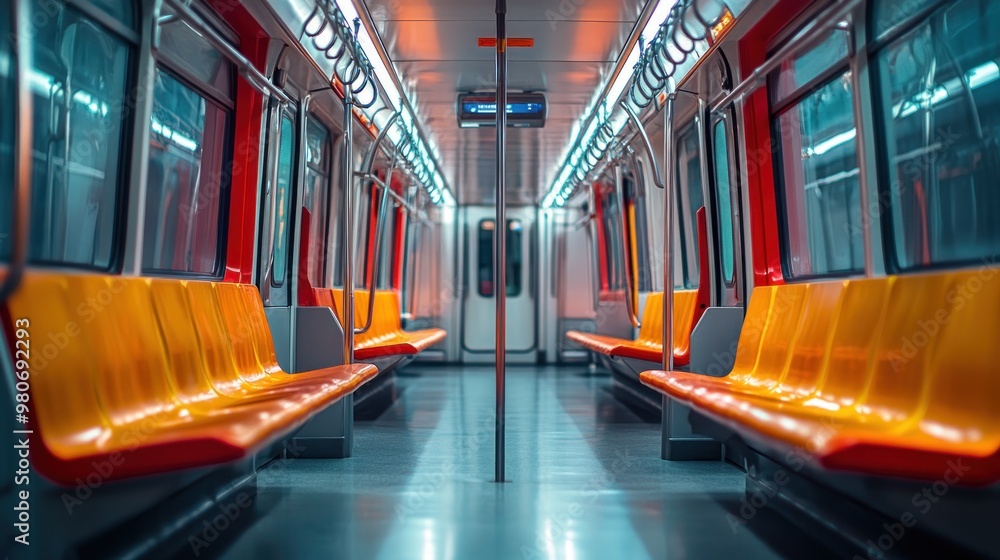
(657,178)
(376,249)
(22,162)
(379,222)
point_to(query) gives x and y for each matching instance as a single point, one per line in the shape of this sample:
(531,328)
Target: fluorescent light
(174,137)
(831,143)
(977,77)
(390,93)
(982,75)
(582,138)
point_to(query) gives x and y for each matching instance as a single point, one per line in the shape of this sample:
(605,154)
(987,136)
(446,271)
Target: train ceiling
(434,46)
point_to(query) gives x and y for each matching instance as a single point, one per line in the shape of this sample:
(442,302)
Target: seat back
(260,329)
(182,340)
(651,330)
(123,338)
(852,348)
(962,393)
(903,354)
(752,332)
(240,329)
(63,370)
(388,312)
(779,335)
(811,350)
(221,363)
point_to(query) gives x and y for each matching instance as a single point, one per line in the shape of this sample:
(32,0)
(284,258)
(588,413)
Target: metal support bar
(347,252)
(21,207)
(249,72)
(406,206)
(369,163)
(668,215)
(633,316)
(500,239)
(641,131)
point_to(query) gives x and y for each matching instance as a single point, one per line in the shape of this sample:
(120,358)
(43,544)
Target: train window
(515,258)
(613,235)
(8,90)
(817,164)
(939,90)
(79,84)
(387,245)
(890,14)
(283,201)
(724,200)
(316,202)
(194,58)
(636,197)
(800,73)
(189,156)
(690,198)
(187,184)
(121,11)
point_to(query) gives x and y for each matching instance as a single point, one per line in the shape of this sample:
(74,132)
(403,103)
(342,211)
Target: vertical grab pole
(500,237)
(668,262)
(347,253)
(21,203)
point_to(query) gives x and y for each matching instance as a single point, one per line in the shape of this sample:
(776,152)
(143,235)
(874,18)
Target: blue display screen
(490,108)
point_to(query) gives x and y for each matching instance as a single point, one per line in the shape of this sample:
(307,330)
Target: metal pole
(347,253)
(668,224)
(21,199)
(500,236)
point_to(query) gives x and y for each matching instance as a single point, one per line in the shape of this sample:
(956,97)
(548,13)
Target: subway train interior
(280,280)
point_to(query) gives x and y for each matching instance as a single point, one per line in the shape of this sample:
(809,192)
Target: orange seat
(144,375)
(887,376)
(386,336)
(649,344)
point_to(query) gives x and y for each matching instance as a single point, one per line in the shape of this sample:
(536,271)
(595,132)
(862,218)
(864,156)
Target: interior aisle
(586,481)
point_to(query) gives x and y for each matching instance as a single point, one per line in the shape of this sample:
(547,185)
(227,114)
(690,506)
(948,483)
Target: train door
(278,187)
(727,219)
(479,306)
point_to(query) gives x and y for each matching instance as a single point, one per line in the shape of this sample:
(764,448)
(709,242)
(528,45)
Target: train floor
(585,480)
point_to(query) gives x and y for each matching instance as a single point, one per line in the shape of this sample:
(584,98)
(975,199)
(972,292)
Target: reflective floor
(585,481)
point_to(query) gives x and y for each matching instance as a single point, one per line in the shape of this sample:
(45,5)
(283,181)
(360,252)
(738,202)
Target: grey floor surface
(585,482)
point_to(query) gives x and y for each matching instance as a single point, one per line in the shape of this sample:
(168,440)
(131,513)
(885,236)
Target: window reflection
(940,101)
(78,84)
(818,174)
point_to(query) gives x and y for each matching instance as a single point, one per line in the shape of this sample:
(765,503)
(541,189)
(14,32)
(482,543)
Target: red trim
(763,215)
(704,297)
(246,148)
(400,241)
(602,243)
(373,207)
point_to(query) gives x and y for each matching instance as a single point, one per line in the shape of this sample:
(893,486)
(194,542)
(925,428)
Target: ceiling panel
(433,44)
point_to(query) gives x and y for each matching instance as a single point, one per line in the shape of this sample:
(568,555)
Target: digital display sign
(524,110)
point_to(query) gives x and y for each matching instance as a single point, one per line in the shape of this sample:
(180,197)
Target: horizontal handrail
(809,37)
(249,72)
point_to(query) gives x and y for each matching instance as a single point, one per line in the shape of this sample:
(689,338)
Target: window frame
(776,109)
(225,178)
(877,45)
(690,278)
(131,40)
(727,119)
